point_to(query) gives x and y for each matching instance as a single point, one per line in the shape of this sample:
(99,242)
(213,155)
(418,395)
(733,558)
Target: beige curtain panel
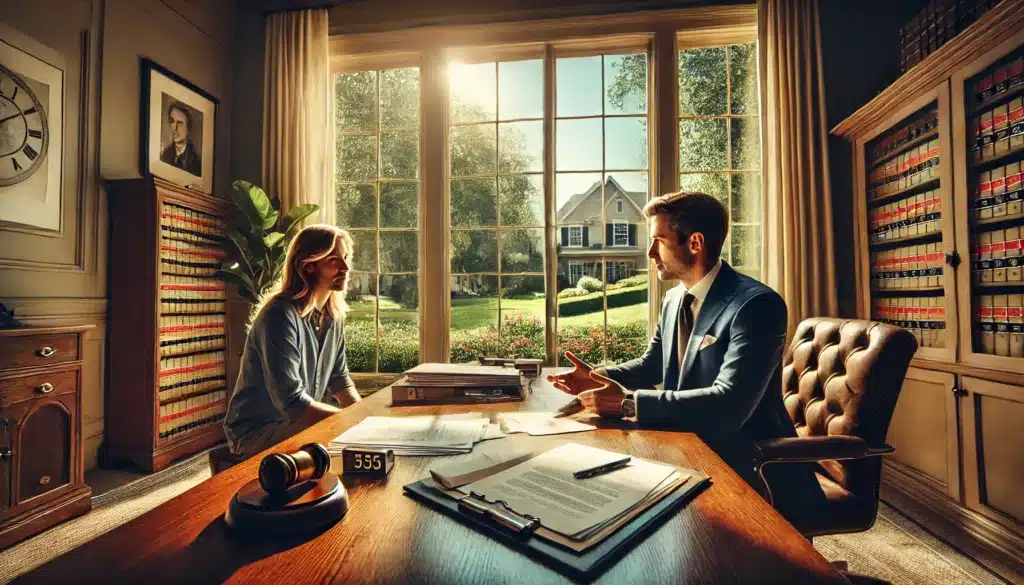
(298,121)
(797,249)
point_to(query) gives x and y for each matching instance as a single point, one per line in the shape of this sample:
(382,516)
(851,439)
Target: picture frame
(176,129)
(32,101)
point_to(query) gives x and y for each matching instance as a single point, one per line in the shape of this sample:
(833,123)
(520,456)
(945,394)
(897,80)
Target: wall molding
(43,310)
(86,190)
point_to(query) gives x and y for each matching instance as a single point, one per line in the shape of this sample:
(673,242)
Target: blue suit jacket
(728,392)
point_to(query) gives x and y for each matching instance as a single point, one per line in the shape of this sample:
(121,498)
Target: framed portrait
(176,129)
(31,132)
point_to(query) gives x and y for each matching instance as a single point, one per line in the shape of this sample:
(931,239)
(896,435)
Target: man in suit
(181,150)
(717,348)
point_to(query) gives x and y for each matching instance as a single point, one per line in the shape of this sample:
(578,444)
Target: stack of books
(434,383)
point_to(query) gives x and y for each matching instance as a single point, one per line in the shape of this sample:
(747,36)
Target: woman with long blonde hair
(295,348)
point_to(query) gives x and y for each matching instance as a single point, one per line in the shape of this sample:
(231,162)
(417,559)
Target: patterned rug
(896,549)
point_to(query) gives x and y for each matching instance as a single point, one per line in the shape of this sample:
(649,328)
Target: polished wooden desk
(728,534)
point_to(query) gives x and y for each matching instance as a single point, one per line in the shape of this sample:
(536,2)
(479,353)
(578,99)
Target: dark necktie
(685,327)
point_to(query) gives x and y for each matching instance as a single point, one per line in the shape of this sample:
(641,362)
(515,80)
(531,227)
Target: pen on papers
(571,408)
(603,468)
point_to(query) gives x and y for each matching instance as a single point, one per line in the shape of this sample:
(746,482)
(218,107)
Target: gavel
(280,471)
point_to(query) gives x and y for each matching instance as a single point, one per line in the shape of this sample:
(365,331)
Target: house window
(620,234)
(575,272)
(719,137)
(616,271)
(575,236)
(377,200)
(618,206)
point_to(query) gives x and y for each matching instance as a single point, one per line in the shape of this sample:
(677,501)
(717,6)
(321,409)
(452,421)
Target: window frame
(580,228)
(662,33)
(618,205)
(615,232)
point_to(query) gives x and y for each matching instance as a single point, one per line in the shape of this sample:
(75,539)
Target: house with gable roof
(619,236)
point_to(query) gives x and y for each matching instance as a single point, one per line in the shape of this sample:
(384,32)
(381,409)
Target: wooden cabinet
(169,324)
(993,458)
(924,430)
(41,464)
(959,418)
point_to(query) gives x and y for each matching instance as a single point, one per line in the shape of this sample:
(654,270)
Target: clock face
(24,133)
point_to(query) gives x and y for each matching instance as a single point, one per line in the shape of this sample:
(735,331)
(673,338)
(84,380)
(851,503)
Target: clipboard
(498,521)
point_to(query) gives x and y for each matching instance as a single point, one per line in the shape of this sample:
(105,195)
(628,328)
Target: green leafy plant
(258,238)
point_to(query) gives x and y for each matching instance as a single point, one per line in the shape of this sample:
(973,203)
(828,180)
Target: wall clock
(31,133)
(24,133)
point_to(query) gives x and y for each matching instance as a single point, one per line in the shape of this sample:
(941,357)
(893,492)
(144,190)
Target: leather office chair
(840,382)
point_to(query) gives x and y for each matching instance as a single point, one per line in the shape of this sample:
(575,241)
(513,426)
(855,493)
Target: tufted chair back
(842,377)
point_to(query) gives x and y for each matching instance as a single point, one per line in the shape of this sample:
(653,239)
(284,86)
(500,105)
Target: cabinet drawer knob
(46,352)
(44,388)
(44,480)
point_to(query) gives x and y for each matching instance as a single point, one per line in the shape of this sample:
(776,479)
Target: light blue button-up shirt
(284,368)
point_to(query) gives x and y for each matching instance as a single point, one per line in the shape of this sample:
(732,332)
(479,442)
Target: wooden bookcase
(170,328)
(959,421)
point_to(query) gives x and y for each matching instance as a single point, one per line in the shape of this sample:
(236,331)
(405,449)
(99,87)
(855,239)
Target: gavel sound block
(294,493)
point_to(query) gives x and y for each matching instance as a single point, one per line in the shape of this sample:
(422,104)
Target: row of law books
(434,383)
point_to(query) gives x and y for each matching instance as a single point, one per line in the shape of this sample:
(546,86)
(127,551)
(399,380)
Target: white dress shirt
(701,289)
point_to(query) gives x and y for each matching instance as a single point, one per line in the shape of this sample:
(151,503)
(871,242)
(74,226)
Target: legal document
(544,486)
(416,435)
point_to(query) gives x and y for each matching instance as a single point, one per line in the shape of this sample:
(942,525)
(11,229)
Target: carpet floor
(896,549)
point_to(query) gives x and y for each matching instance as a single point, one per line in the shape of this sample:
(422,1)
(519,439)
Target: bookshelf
(939,233)
(169,324)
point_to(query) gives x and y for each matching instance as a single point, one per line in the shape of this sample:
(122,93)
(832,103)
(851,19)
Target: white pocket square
(708,340)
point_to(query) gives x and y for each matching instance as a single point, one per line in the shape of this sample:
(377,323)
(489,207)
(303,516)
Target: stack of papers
(544,486)
(432,374)
(418,435)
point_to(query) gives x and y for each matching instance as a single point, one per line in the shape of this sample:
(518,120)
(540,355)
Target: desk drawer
(37,350)
(14,390)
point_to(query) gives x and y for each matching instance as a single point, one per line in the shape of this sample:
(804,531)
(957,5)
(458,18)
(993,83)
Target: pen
(603,468)
(571,408)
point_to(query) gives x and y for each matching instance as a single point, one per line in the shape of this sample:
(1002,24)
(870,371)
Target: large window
(497,209)
(719,138)
(601,147)
(377,200)
(521,184)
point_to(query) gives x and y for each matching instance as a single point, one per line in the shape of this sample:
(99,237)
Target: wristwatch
(629,406)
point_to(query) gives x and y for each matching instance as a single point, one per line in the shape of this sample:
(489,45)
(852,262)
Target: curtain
(298,112)
(797,257)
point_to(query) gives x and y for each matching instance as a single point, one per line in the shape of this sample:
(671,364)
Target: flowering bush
(572,292)
(522,336)
(589,284)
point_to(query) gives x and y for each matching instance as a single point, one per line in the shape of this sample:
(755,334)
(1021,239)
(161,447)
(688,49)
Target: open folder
(531,502)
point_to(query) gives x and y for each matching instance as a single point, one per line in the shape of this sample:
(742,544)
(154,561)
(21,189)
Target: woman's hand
(576,381)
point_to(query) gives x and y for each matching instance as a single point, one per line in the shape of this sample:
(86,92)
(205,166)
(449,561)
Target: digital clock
(367,461)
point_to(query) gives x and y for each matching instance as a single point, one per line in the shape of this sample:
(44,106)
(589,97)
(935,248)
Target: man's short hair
(692,212)
(184,110)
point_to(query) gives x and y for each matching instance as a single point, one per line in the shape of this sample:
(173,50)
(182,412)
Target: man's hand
(606,399)
(576,381)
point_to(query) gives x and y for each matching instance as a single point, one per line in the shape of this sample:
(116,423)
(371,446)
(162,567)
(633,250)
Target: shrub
(594,302)
(589,284)
(572,292)
(637,280)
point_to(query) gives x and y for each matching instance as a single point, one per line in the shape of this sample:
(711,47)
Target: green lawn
(482,312)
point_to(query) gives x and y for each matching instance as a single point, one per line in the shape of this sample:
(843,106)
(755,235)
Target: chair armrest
(809,449)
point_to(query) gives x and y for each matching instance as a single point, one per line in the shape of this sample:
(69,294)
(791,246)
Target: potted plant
(258,238)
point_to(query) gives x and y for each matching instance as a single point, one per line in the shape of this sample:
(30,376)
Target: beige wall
(60,279)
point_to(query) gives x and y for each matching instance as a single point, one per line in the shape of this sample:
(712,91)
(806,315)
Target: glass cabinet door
(905,198)
(988,124)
